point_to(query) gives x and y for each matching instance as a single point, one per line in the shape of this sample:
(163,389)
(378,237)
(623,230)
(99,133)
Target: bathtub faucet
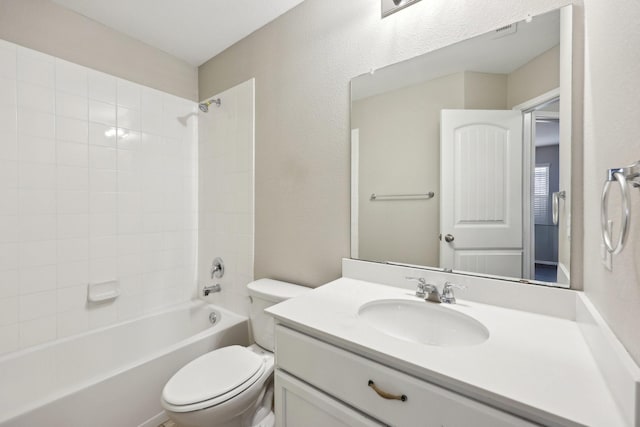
(217,268)
(211,289)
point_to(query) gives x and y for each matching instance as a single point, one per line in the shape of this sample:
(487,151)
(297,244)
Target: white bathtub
(113,376)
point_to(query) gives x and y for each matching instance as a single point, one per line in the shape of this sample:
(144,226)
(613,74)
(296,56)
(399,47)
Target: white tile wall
(226,190)
(93,176)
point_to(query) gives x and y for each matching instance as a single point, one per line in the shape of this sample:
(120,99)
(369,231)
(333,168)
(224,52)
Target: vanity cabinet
(321,384)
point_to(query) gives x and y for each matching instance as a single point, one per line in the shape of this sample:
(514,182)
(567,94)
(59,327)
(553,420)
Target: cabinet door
(297,404)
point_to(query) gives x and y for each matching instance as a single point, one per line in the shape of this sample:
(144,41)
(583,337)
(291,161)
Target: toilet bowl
(232,386)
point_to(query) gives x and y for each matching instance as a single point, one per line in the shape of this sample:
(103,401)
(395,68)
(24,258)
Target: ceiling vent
(507,30)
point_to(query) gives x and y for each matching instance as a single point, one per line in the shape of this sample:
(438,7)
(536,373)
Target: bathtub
(113,376)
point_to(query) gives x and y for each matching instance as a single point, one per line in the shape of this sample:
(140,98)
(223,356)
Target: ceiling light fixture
(392,6)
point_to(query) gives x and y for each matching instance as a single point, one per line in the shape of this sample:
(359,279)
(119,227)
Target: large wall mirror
(461,158)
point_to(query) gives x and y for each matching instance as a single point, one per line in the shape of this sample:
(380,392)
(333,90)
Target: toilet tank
(264,293)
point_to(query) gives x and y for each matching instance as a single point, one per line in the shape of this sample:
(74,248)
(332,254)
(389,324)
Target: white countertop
(532,365)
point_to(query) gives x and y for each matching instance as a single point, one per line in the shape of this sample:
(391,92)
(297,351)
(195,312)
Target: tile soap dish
(103,291)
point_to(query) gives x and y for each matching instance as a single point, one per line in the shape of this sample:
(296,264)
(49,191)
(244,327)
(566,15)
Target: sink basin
(423,322)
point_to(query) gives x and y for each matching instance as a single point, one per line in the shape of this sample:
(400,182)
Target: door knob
(449,238)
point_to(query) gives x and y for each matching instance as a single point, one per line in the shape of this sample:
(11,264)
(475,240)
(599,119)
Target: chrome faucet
(447,295)
(217,268)
(431,293)
(211,289)
(426,290)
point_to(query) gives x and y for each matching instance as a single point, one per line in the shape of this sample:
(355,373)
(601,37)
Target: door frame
(531,110)
(355,193)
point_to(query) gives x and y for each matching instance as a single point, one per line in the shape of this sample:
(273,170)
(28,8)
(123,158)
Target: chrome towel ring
(623,176)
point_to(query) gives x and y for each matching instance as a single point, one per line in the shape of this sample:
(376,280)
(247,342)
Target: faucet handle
(420,280)
(421,292)
(449,286)
(447,292)
(217,268)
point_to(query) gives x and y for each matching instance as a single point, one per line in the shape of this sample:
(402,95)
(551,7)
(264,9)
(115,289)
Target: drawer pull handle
(386,395)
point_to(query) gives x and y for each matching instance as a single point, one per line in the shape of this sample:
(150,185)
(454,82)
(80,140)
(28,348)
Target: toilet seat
(213,378)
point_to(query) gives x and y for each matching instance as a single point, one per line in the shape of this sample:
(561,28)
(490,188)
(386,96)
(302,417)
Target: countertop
(536,366)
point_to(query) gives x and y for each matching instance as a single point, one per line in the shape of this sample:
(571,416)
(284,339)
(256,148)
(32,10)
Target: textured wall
(612,129)
(53,29)
(302,63)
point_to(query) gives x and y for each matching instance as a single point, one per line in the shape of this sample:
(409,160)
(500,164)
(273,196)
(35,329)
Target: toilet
(232,386)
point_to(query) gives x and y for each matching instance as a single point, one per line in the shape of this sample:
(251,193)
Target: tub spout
(211,289)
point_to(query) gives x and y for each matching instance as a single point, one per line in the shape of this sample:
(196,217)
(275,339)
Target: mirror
(461,157)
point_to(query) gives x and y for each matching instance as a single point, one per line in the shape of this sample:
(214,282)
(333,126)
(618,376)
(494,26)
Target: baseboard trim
(156,420)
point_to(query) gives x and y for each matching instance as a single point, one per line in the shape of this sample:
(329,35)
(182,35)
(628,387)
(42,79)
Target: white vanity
(547,358)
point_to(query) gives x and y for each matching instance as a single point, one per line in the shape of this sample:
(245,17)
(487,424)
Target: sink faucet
(431,293)
(426,290)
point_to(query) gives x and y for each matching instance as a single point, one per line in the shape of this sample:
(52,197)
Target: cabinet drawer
(346,377)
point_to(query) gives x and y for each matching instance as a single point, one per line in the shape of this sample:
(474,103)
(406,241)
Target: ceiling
(193,30)
(492,52)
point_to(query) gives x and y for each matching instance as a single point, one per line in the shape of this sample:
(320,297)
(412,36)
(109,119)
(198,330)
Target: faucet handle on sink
(454,285)
(421,292)
(447,292)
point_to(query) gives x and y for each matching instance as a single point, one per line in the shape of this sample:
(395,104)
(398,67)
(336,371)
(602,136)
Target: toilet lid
(228,369)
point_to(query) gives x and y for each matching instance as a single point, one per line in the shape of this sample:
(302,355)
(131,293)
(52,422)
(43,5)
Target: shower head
(204,107)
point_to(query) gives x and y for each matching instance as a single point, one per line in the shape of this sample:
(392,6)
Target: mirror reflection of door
(546,182)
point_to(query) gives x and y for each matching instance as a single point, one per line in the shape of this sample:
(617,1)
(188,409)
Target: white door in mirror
(481,191)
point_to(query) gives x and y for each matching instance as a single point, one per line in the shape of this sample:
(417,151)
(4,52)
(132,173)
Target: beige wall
(485,91)
(302,63)
(612,109)
(538,76)
(47,27)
